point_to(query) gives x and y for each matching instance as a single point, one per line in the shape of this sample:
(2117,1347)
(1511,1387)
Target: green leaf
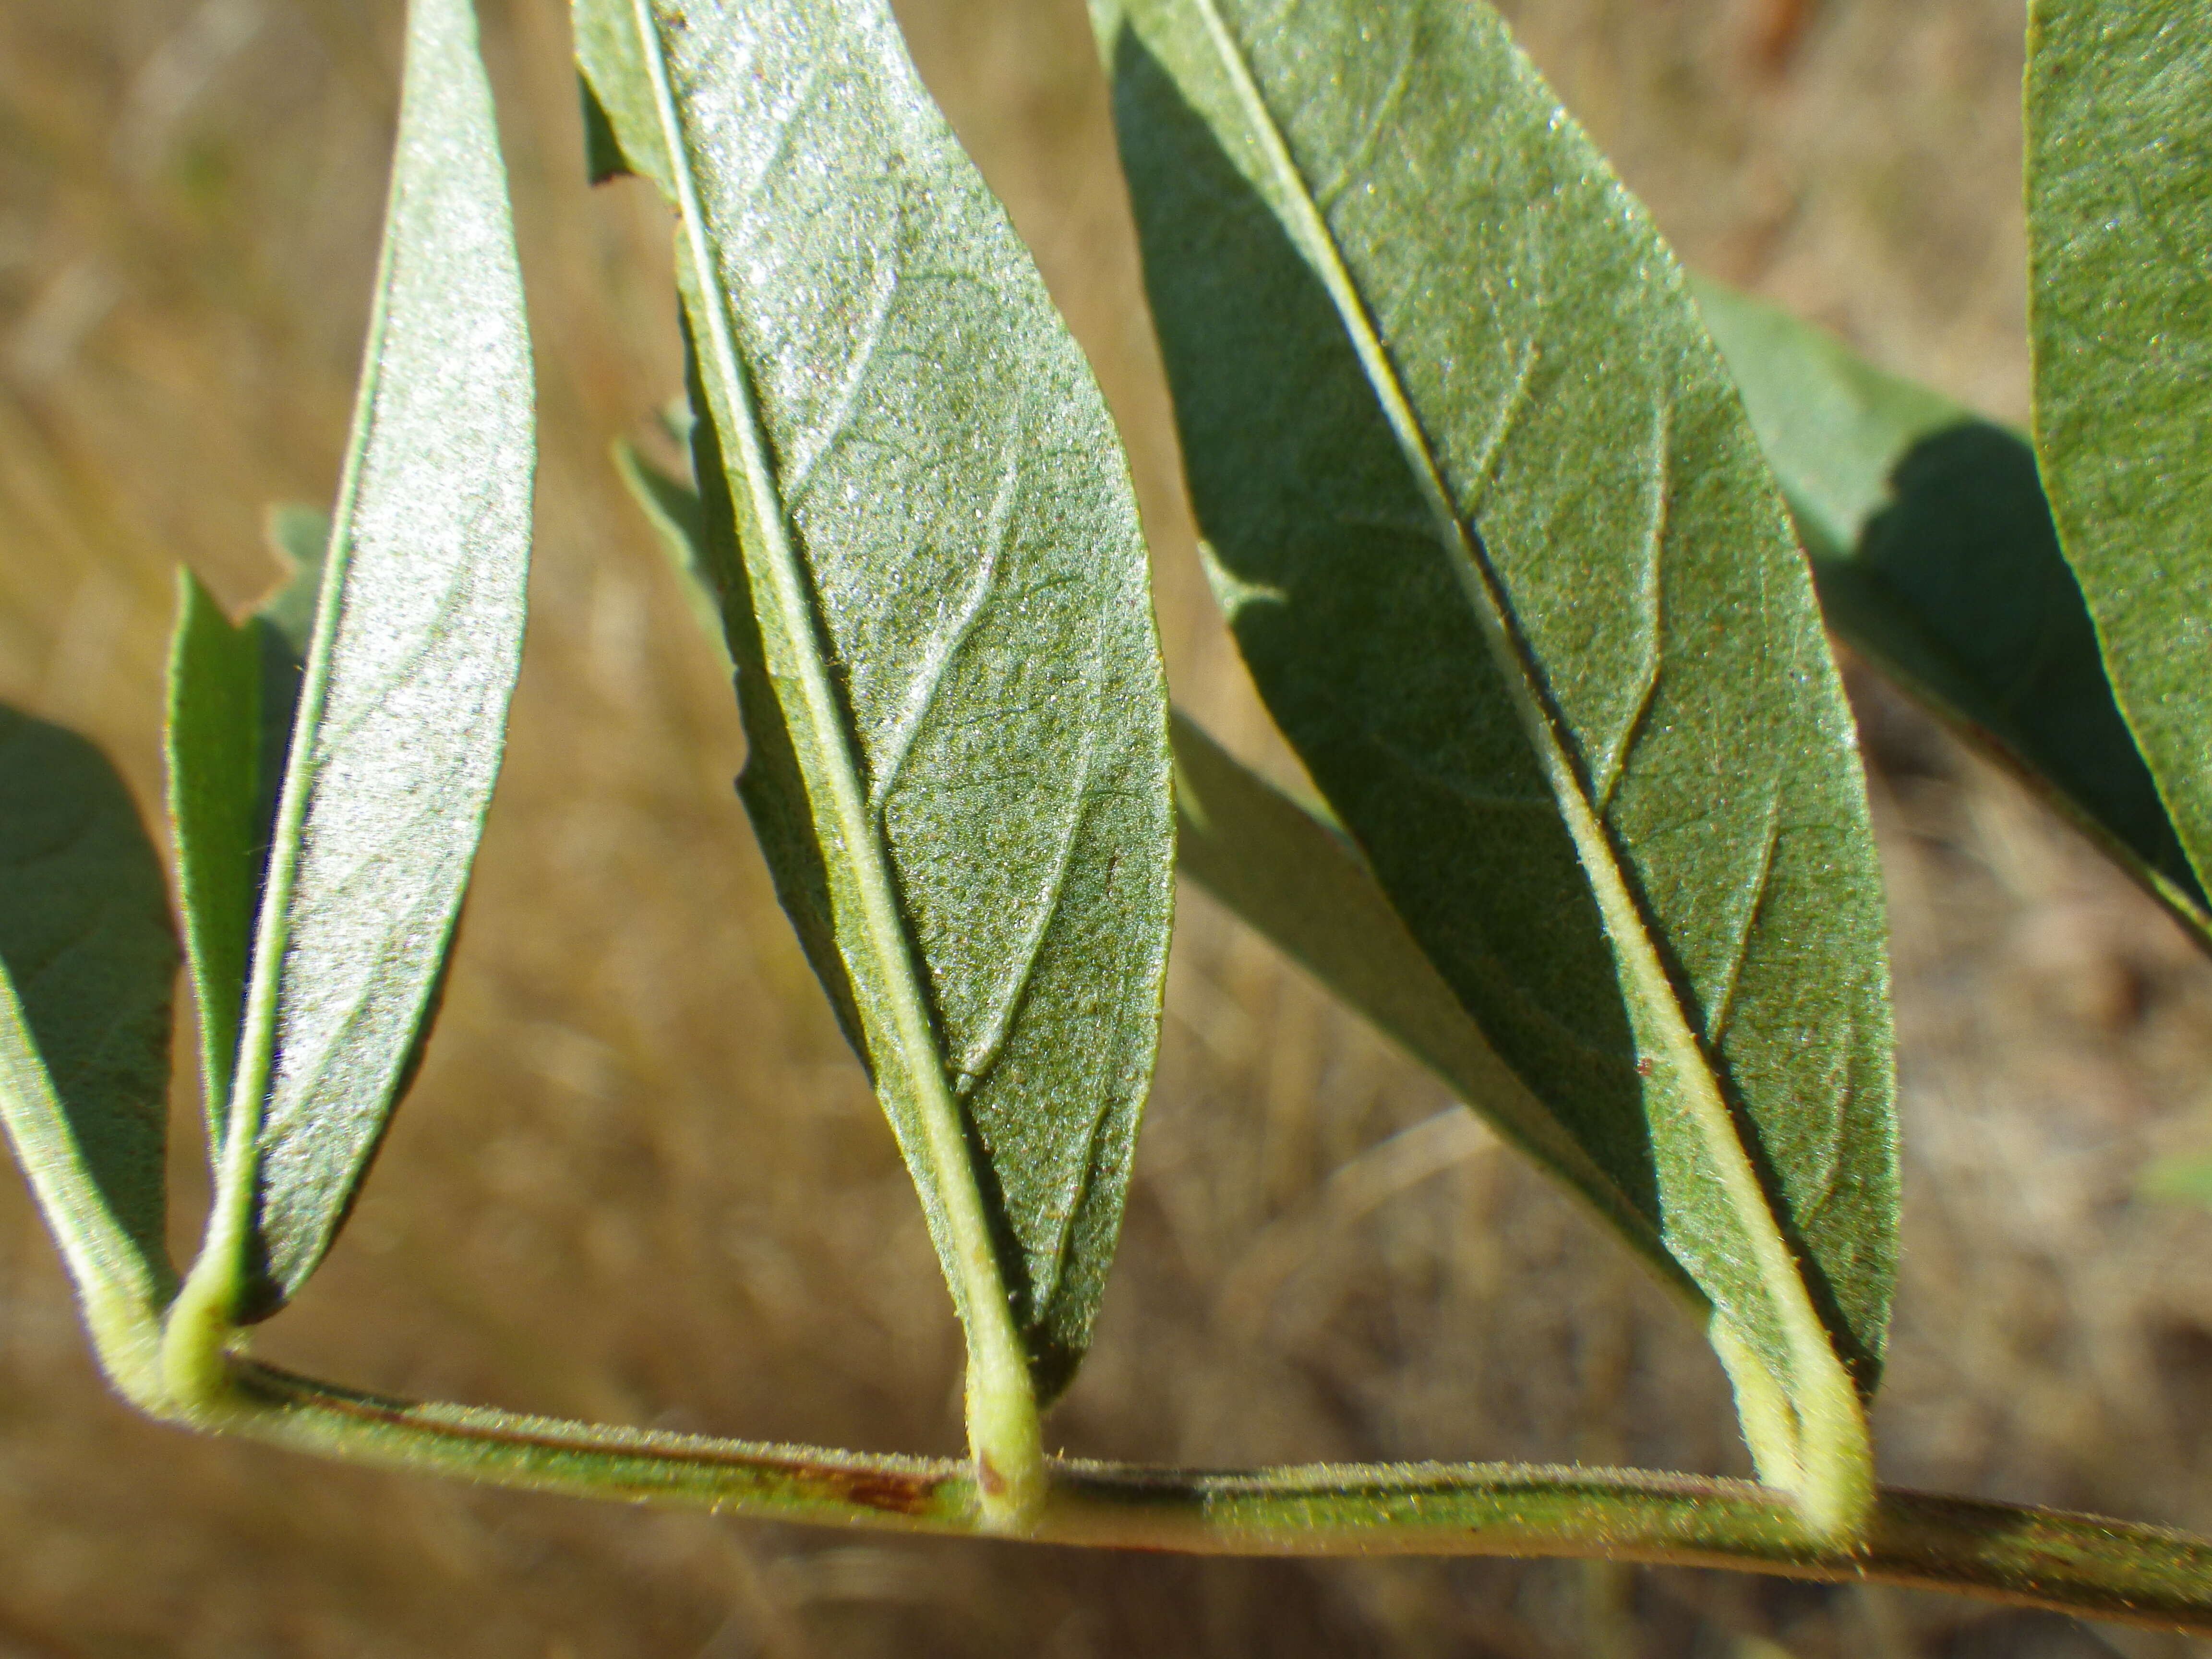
(232,693)
(1934,555)
(89,958)
(603,154)
(1294,879)
(940,614)
(1297,881)
(215,783)
(671,507)
(1497,544)
(402,706)
(2119,230)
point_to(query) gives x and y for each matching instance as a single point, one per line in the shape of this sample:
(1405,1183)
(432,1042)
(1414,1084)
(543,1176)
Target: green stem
(2014,1553)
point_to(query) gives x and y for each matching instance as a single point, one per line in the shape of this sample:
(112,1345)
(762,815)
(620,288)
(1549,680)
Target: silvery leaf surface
(934,587)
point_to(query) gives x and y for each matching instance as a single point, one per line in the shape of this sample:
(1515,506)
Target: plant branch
(2015,1553)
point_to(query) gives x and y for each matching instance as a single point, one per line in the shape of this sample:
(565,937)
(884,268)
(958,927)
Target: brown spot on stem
(891,1494)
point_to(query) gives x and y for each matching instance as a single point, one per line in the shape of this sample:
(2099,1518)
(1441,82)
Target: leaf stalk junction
(2018,1554)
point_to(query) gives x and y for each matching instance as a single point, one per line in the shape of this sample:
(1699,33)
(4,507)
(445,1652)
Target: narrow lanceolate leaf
(1496,541)
(401,706)
(88,959)
(1934,555)
(941,622)
(2119,232)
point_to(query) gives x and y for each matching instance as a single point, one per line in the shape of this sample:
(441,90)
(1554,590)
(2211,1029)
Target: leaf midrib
(998,1348)
(1810,1345)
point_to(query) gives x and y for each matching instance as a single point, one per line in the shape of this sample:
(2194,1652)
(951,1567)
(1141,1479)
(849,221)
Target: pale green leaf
(935,589)
(89,959)
(672,506)
(402,706)
(1936,558)
(2119,227)
(1496,541)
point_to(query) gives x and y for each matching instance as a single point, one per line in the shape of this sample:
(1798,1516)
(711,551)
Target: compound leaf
(1935,557)
(935,592)
(416,636)
(88,959)
(1496,541)
(2119,223)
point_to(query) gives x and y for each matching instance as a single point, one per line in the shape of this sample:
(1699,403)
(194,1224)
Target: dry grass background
(640,1179)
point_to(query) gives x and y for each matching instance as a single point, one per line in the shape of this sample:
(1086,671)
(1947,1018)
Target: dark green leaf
(401,706)
(1934,555)
(603,155)
(941,622)
(2119,226)
(1297,881)
(1496,541)
(672,507)
(89,958)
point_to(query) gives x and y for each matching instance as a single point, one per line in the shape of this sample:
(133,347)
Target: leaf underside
(1935,557)
(412,635)
(89,960)
(1511,578)
(2119,223)
(1294,880)
(913,496)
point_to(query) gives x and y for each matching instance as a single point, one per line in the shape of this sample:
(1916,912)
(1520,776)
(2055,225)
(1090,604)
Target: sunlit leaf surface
(940,619)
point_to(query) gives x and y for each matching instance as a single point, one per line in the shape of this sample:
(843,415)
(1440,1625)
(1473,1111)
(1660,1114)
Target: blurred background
(641,1180)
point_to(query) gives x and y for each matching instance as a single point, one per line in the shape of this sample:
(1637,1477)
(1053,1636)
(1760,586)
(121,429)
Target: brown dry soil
(642,1181)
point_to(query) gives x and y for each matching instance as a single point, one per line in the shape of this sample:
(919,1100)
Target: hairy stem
(2007,1553)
